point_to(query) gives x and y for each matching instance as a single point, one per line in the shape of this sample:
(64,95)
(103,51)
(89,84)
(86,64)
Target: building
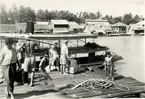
(8,28)
(119,28)
(21,27)
(42,27)
(39,27)
(137,28)
(59,26)
(101,27)
(75,27)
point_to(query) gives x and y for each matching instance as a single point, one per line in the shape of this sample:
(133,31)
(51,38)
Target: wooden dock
(129,86)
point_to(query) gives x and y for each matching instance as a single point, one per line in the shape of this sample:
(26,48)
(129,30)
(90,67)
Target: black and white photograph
(72,49)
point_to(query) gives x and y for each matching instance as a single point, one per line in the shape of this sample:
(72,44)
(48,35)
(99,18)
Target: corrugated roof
(59,21)
(118,24)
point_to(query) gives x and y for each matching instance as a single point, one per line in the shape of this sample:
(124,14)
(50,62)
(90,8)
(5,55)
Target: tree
(26,14)
(137,18)
(99,15)
(13,14)
(3,14)
(127,19)
(116,19)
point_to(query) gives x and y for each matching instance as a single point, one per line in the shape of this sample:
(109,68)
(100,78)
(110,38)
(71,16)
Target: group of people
(11,60)
(55,58)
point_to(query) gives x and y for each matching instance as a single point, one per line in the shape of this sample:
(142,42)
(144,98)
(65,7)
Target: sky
(110,7)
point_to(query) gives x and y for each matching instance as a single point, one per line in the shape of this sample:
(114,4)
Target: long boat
(82,47)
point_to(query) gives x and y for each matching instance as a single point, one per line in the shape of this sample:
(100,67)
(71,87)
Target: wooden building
(42,27)
(119,27)
(75,27)
(100,26)
(137,28)
(59,26)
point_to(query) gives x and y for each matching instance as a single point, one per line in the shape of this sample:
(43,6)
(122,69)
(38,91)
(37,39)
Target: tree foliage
(24,14)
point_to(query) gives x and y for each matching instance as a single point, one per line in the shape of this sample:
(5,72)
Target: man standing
(64,57)
(8,60)
(30,59)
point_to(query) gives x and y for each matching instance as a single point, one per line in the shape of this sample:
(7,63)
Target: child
(109,66)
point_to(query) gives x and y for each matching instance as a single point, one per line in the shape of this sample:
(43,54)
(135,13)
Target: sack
(74,67)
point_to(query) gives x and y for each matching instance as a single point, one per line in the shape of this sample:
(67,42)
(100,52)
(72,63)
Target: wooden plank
(123,93)
(91,94)
(113,89)
(100,89)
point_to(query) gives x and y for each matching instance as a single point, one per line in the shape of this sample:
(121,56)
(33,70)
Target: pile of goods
(93,45)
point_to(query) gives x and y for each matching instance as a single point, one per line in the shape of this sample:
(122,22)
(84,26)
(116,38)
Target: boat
(81,51)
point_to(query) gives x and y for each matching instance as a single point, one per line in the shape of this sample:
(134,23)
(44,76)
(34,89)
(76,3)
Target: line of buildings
(101,27)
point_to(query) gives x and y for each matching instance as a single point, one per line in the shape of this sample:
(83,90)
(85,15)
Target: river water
(131,48)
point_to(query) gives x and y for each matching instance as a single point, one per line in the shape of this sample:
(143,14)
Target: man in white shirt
(64,57)
(52,57)
(8,60)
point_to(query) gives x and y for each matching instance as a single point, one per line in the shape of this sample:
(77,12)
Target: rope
(90,83)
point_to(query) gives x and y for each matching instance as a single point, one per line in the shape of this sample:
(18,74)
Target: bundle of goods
(93,45)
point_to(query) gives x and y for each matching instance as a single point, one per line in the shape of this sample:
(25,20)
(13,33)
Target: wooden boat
(85,53)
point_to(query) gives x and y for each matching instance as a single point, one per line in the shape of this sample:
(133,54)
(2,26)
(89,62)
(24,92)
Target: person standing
(64,58)
(30,59)
(57,51)
(109,66)
(52,57)
(43,64)
(8,60)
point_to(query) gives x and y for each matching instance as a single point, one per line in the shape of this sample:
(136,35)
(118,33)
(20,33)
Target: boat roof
(50,36)
(63,36)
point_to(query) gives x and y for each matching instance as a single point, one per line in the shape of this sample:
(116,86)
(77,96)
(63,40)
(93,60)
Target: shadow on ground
(33,93)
